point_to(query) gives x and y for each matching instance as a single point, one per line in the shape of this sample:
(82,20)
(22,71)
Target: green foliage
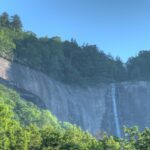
(65,61)
(12,22)
(4,20)
(26,112)
(23,126)
(139,66)
(15,23)
(6,45)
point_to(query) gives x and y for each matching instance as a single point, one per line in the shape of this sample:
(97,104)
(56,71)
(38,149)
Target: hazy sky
(119,27)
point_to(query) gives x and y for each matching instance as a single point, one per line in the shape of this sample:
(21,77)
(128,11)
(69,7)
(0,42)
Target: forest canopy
(66,61)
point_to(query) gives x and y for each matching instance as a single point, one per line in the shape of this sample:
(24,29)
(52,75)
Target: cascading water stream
(115,111)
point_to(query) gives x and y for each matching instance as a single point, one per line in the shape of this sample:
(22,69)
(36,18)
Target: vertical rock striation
(82,106)
(100,108)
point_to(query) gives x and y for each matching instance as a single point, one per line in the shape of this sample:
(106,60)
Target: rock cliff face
(92,108)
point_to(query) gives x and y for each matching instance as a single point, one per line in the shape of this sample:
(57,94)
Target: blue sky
(119,27)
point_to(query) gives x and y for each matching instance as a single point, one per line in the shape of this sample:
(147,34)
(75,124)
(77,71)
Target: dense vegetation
(23,126)
(63,60)
(66,61)
(139,66)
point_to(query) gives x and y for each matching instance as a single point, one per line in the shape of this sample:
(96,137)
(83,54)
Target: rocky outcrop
(92,107)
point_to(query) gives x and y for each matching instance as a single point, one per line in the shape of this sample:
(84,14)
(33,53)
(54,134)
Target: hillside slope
(24,126)
(90,107)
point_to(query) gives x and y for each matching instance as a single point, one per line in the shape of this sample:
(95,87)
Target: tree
(4,20)
(139,67)
(6,45)
(16,23)
(51,138)
(35,139)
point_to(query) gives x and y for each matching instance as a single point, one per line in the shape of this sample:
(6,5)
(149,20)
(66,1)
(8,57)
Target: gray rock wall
(134,103)
(91,108)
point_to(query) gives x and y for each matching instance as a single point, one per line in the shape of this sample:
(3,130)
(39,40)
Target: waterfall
(113,92)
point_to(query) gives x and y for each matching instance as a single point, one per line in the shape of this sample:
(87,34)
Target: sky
(118,27)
